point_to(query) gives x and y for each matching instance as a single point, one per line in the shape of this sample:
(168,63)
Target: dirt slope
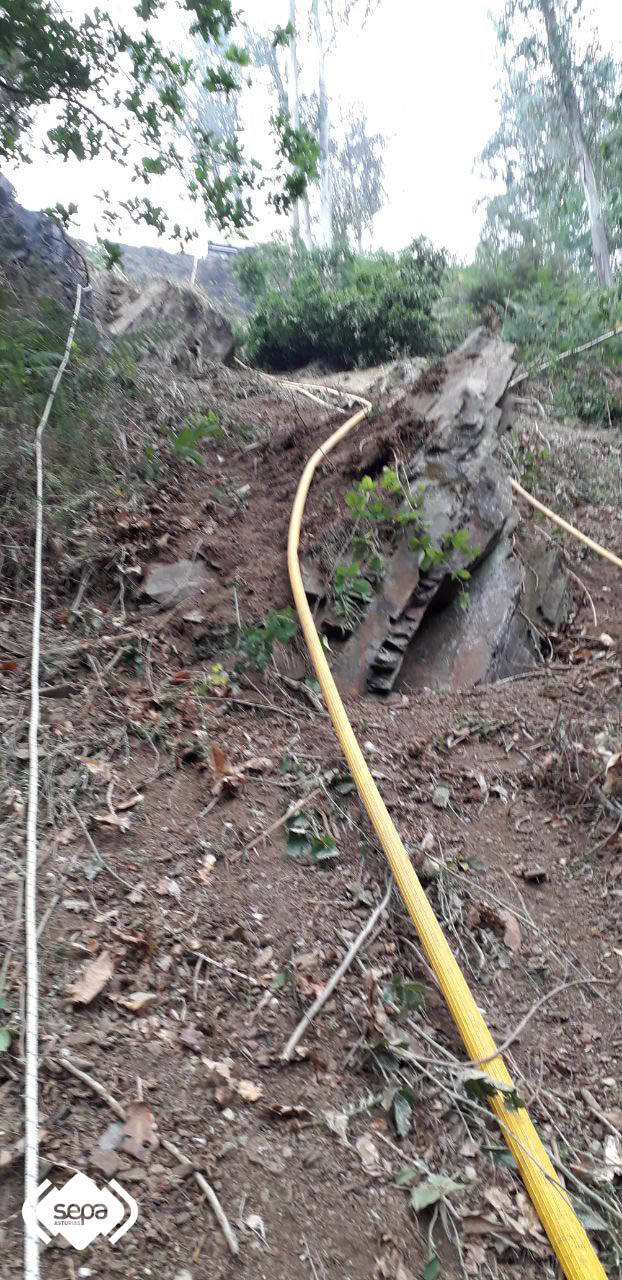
(165,758)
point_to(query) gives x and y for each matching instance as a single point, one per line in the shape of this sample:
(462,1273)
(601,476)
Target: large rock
(455,412)
(188,331)
(456,648)
(29,239)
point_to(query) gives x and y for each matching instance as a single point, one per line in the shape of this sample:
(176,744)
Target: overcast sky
(426,73)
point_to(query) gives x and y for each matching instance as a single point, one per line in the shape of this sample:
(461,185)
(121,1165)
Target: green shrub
(545,310)
(339,307)
(79,441)
(256,642)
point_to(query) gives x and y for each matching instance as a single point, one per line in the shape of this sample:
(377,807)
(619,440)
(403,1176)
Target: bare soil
(219,938)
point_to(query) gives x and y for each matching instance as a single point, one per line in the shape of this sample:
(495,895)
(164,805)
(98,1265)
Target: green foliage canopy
(112,88)
(337,306)
(542,207)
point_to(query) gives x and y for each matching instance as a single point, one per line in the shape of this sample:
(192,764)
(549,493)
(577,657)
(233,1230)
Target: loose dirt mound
(170,763)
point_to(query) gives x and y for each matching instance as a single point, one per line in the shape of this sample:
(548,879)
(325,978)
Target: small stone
(107,1162)
(111,1137)
(535,875)
(440,798)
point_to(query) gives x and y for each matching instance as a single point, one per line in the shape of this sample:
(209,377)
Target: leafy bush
(340,307)
(546,310)
(79,442)
(256,642)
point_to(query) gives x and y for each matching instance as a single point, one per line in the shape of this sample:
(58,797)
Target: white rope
(572,351)
(31,1086)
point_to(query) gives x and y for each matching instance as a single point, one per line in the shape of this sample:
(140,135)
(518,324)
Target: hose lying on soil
(568,1238)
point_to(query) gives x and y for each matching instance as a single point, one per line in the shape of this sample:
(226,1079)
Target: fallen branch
(201,1181)
(336,978)
(582,587)
(218,964)
(209,1193)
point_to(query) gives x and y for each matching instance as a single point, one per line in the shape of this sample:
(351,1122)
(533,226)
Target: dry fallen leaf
(167,886)
(129,802)
(113,820)
(100,770)
(248,1091)
(258,764)
(245,1089)
(283,1111)
(224,775)
(391,1267)
(368,1152)
(613,1156)
(92,980)
(337,1122)
(612,785)
(511,931)
(204,872)
(9,1155)
(192,1038)
(136,1001)
(139,1135)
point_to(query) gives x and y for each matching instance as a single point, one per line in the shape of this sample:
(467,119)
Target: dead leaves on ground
(512,1222)
(92,980)
(502,922)
(139,1131)
(227,777)
(227,1085)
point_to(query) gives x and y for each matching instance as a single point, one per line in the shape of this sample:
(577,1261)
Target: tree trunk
(326,191)
(193,273)
(293,101)
(560,62)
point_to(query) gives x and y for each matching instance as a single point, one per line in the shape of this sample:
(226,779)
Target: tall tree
(326,186)
(357,180)
(560,54)
(267,53)
(119,91)
(542,39)
(328,19)
(301,221)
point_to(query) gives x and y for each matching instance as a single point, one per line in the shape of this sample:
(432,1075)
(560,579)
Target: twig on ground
(169,1146)
(218,964)
(48,912)
(593,1106)
(514,1035)
(336,978)
(263,835)
(208,1192)
(6,959)
(94,850)
(582,587)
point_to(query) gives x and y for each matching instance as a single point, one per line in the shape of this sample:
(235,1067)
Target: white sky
(426,72)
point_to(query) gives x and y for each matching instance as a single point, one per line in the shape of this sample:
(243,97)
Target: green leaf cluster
(344,308)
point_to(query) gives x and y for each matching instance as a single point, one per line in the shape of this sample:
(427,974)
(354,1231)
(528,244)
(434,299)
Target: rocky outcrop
(416,630)
(214,276)
(188,331)
(30,239)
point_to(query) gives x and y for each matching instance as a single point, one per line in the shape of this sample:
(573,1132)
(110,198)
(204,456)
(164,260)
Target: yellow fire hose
(568,1238)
